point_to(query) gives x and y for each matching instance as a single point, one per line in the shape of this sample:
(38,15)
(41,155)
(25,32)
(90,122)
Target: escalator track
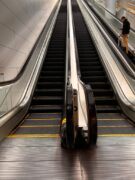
(111,120)
(46,108)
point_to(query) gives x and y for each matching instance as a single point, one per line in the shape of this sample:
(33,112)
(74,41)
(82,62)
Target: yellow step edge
(34,136)
(58,136)
(114,119)
(40,126)
(116,135)
(35,119)
(43,113)
(115,126)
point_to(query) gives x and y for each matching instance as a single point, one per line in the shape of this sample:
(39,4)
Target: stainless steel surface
(17,95)
(124,87)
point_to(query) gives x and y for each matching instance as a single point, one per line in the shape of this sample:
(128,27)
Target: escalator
(111,120)
(46,108)
(114,37)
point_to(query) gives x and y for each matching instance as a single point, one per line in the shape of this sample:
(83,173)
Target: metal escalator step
(117,130)
(45,108)
(105,100)
(112,123)
(95,79)
(48,92)
(53,60)
(89,59)
(93,73)
(53,55)
(41,122)
(108,109)
(90,63)
(50,85)
(39,130)
(85,51)
(102,92)
(100,85)
(53,63)
(89,68)
(90,55)
(51,78)
(43,116)
(57,49)
(51,73)
(52,68)
(47,100)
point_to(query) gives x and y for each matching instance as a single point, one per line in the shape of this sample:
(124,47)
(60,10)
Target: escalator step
(103,92)
(90,63)
(100,85)
(43,100)
(50,85)
(46,108)
(53,68)
(51,73)
(94,79)
(93,73)
(105,100)
(108,109)
(89,68)
(51,78)
(48,92)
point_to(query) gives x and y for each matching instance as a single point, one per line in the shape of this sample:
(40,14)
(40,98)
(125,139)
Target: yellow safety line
(57,135)
(39,126)
(34,136)
(31,119)
(116,135)
(114,126)
(44,113)
(110,119)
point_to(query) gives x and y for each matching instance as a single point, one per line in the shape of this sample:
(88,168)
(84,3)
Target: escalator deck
(46,108)
(111,121)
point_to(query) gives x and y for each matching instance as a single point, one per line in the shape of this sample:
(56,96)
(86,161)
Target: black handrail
(35,46)
(67,67)
(67,125)
(92,118)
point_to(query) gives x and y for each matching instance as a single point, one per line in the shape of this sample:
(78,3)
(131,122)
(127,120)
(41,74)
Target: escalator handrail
(67,66)
(91,114)
(122,59)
